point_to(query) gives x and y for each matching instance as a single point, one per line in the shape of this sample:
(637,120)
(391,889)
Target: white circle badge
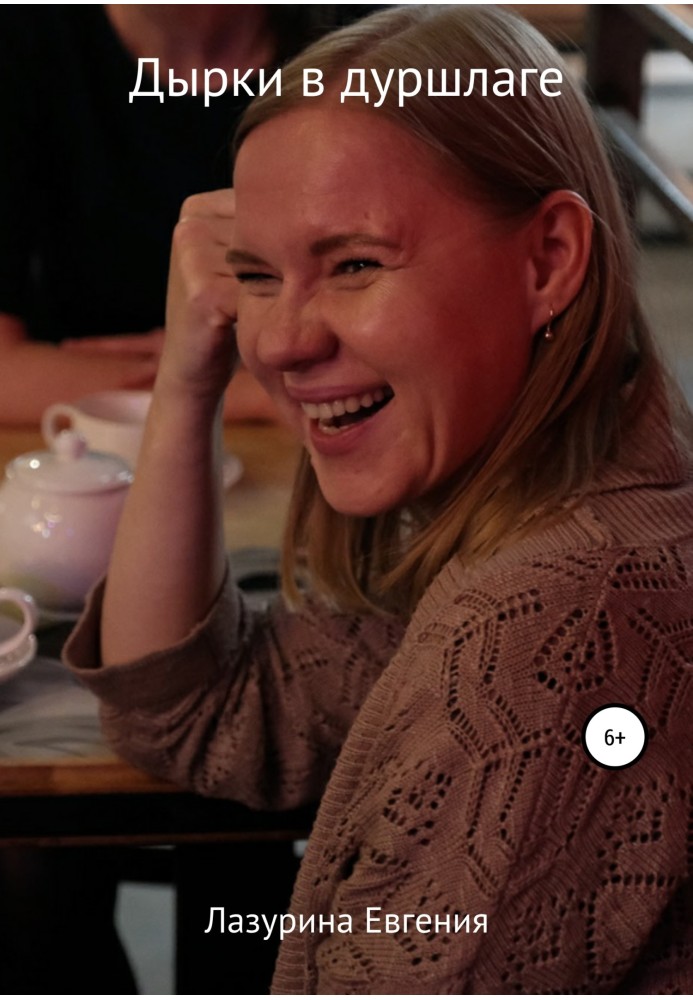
(614,736)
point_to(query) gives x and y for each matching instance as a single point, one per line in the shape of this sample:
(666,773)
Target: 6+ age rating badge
(614,736)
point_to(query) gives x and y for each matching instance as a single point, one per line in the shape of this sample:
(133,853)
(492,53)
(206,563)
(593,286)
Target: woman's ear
(560,242)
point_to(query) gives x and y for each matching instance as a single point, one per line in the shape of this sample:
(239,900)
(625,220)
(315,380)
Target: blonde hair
(572,412)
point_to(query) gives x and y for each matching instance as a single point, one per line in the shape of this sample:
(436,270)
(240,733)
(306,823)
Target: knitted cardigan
(461,786)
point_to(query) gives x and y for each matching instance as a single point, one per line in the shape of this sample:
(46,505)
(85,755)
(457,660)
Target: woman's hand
(35,375)
(200,353)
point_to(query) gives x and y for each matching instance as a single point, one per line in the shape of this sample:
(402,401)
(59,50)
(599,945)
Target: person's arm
(34,375)
(252,705)
(169,561)
(244,400)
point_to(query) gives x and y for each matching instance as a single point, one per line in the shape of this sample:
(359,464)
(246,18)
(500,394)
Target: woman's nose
(294,336)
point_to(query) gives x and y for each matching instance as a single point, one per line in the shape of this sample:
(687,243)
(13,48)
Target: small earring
(548,331)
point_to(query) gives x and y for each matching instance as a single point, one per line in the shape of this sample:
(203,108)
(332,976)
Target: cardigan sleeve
(252,706)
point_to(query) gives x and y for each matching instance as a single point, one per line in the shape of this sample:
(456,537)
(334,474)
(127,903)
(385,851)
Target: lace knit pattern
(461,786)
(464,788)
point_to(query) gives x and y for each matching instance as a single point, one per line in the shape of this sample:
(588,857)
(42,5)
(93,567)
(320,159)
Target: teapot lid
(70,468)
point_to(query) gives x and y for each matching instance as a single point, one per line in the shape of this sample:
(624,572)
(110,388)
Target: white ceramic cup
(20,646)
(111,421)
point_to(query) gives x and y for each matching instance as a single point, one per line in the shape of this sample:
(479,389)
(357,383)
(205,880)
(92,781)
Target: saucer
(12,663)
(50,616)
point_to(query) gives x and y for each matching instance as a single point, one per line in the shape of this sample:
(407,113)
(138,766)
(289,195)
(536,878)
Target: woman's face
(389,317)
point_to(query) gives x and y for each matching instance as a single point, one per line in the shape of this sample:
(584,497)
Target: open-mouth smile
(337,414)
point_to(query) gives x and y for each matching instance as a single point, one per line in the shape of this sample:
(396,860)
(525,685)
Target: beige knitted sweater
(460,785)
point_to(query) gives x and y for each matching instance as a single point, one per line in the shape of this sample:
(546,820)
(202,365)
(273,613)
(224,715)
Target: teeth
(338,407)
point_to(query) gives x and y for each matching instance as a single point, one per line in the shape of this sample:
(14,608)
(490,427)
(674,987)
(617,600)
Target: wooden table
(102,798)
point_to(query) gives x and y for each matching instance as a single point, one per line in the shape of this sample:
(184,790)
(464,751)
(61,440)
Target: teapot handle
(55,419)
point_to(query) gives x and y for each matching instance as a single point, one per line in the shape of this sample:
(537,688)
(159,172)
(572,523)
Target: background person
(93,183)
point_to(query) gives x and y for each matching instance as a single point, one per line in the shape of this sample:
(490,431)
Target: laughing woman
(492,527)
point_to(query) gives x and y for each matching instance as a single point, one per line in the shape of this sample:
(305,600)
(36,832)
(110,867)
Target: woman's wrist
(177,401)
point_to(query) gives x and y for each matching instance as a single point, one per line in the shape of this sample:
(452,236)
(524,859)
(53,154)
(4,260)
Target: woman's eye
(356,265)
(252,277)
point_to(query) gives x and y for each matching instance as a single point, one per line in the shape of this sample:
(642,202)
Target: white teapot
(59,511)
